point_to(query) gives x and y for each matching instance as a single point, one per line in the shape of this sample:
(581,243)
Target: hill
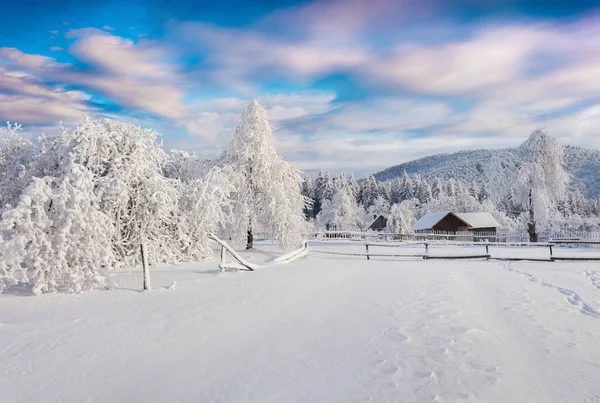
(583,165)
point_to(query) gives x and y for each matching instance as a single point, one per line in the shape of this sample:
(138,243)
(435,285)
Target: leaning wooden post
(367,247)
(145,266)
(487,249)
(550,246)
(222,262)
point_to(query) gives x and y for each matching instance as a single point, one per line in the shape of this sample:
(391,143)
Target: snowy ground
(324,329)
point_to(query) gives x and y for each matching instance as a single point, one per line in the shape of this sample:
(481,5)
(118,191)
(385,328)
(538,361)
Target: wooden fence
(589,239)
(484,254)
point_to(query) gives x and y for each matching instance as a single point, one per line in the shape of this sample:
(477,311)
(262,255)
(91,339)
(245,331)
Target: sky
(349,85)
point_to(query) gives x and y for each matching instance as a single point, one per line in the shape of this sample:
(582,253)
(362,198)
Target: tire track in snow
(570,296)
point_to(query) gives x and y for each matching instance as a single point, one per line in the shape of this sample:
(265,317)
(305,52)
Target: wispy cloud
(427,82)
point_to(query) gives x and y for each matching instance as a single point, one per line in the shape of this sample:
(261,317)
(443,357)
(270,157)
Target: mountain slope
(583,165)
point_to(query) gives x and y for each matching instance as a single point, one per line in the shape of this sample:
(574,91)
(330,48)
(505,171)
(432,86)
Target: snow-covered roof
(473,220)
(478,220)
(373,222)
(429,220)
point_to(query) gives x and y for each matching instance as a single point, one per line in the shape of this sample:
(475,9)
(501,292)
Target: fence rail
(589,238)
(487,245)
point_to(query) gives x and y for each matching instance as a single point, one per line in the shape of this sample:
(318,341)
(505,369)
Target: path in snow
(570,296)
(318,330)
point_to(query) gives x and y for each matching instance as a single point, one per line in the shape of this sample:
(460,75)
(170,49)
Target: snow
(479,220)
(429,220)
(321,329)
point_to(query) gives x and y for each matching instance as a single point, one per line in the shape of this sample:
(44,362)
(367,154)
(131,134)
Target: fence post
(367,247)
(487,249)
(222,262)
(146,269)
(550,246)
(426,248)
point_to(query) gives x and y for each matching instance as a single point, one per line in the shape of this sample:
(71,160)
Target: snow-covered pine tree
(395,191)
(425,193)
(407,190)
(339,181)
(368,192)
(326,188)
(451,190)
(353,187)
(384,190)
(268,196)
(318,186)
(437,188)
(308,191)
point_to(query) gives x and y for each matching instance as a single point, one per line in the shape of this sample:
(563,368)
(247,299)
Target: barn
(379,223)
(451,222)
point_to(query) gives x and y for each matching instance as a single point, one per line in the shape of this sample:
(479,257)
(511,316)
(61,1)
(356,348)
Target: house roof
(478,220)
(473,220)
(429,220)
(375,220)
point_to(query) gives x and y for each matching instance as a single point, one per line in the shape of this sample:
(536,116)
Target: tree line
(524,193)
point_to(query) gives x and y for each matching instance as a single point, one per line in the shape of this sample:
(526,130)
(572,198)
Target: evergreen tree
(268,196)
(353,187)
(308,191)
(368,191)
(395,191)
(407,188)
(437,189)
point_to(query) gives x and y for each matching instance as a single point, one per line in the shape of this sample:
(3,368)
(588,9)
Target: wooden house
(378,224)
(450,222)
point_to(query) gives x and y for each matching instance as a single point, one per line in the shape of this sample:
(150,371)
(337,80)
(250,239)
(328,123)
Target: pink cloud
(489,58)
(344,20)
(26,61)
(237,54)
(28,101)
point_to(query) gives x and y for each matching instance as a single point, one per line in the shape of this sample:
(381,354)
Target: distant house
(379,223)
(448,221)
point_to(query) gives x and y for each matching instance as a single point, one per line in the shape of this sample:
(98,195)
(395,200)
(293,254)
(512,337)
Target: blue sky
(349,85)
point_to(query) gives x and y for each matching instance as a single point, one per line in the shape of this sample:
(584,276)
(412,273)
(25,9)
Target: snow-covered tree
(17,155)
(308,191)
(407,188)
(56,238)
(368,192)
(437,188)
(395,191)
(339,181)
(379,207)
(341,212)
(353,187)
(402,216)
(536,181)
(268,195)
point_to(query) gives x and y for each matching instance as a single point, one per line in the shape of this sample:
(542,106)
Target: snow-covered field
(323,329)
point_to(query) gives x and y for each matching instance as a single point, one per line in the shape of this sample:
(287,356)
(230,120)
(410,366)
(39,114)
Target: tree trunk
(145,266)
(531,227)
(250,243)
